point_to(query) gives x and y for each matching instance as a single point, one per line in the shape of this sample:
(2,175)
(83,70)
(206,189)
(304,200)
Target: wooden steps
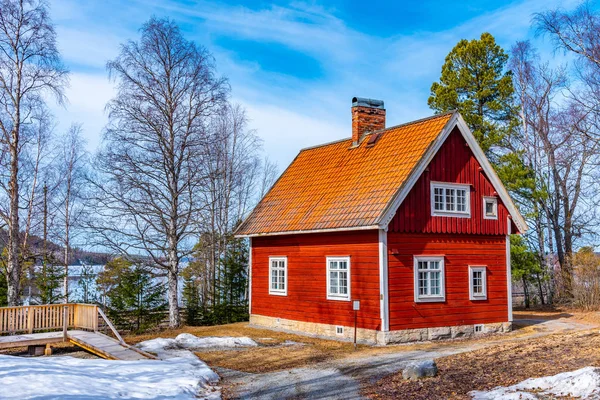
(105,346)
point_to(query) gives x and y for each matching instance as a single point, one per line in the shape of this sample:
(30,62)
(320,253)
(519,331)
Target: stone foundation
(370,336)
(446,332)
(324,331)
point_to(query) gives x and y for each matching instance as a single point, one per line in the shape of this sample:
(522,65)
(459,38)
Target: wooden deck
(30,339)
(78,324)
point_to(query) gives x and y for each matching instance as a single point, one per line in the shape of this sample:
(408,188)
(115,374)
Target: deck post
(30,318)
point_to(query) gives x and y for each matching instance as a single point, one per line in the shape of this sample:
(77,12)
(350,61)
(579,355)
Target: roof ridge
(417,121)
(324,144)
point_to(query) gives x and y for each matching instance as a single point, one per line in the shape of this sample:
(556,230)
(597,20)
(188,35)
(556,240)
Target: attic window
(450,200)
(490,208)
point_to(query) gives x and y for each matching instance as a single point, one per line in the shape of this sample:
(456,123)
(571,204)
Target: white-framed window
(477,283)
(490,208)
(429,279)
(450,199)
(338,278)
(278,276)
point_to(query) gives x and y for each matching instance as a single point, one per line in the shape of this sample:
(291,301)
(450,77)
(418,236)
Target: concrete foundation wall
(369,336)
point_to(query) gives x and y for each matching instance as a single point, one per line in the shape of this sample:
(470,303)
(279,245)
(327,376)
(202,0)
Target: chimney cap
(364,102)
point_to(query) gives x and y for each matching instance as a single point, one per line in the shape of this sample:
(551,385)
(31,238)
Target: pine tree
(136,297)
(191,297)
(48,279)
(235,280)
(475,82)
(525,265)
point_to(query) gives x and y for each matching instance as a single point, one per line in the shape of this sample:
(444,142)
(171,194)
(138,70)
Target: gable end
(455,122)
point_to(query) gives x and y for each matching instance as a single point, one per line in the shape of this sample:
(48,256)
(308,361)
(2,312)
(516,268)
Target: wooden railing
(29,319)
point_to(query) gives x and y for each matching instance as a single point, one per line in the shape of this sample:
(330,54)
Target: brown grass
(271,355)
(502,364)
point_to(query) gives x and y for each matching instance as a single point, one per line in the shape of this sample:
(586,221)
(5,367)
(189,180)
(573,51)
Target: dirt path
(341,378)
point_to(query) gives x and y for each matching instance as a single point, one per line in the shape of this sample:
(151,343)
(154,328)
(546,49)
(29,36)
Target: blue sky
(294,65)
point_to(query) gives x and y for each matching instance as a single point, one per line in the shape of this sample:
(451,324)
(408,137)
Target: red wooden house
(410,220)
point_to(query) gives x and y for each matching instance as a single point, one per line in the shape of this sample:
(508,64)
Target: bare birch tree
(30,67)
(560,147)
(150,164)
(69,204)
(232,174)
(235,179)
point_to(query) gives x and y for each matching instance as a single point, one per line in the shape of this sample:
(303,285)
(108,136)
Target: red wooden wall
(459,252)
(454,163)
(306,298)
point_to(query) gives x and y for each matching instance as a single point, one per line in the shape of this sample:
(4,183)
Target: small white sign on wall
(356,305)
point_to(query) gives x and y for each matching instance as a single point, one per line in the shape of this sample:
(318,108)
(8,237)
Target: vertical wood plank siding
(306,298)
(454,163)
(459,252)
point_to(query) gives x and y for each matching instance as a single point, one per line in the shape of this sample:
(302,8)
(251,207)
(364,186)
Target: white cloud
(87,48)
(285,132)
(88,95)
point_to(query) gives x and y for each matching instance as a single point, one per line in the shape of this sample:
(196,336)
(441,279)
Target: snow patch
(189,341)
(48,378)
(583,383)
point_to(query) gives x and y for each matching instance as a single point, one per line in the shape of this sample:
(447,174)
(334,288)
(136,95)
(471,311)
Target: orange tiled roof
(334,186)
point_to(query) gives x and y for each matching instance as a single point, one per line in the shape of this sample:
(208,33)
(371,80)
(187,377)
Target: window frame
(337,296)
(495,201)
(472,295)
(455,186)
(278,292)
(429,298)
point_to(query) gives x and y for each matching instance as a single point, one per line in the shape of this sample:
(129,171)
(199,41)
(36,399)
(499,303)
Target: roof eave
(327,230)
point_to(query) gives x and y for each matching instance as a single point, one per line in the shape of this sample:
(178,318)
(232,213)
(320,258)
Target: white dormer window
(490,208)
(450,200)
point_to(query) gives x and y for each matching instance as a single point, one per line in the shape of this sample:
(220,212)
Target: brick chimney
(368,115)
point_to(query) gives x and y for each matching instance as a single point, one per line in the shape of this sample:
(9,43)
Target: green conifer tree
(191,297)
(475,82)
(135,296)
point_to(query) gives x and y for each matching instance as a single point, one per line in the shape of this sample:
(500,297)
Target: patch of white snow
(49,378)
(583,383)
(189,341)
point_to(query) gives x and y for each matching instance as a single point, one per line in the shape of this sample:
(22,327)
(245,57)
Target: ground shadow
(525,318)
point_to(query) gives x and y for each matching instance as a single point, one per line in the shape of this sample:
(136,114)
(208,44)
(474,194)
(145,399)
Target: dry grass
(271,355)
(502,364)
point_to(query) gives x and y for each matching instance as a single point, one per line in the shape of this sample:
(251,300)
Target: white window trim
(473,296)
(444,185)
(424,298)
(278,292)
(335,296)
(495,200)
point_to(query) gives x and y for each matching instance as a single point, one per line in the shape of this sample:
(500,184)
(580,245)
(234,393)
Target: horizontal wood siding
(459,252)
(306,298)
(454,163)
